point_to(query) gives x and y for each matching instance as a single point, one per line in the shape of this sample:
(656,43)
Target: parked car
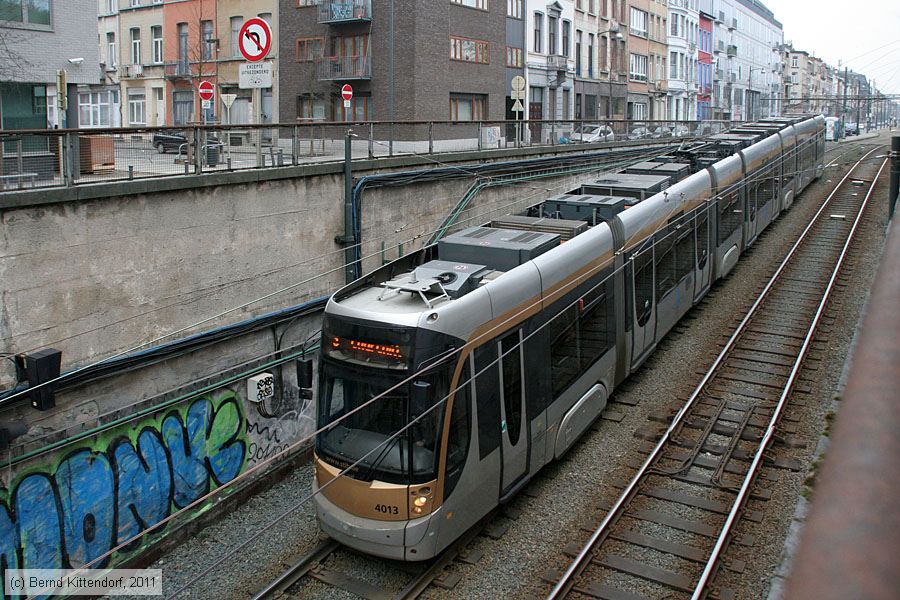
(172,141)
(661,132)
(586,134)
(851,129)
(681,130)
(639,132)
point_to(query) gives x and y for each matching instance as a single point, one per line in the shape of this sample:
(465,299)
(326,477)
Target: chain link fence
(55,158)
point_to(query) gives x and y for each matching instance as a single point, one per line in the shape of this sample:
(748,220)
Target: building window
(468,107)
(603,45)
(96,109)
(309,49)
(551,35)
(135,3)
(638,22)
(673,65)
(578,35)
(111,50)
(183,44)
(514,57)
(638,67)
(308,2)
(538,32)
(156,34)
(566,34)
(236,24)
(467,50)
(34,12)
(135,33)
(207,43)
(674,22)
(481,4)
(360,108)
(310,108)
(136,107)
(515,8)
(590,51)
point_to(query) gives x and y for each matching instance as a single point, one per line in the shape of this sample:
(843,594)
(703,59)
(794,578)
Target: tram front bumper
(398,540)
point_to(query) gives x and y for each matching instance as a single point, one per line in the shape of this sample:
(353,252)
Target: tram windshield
(368,438)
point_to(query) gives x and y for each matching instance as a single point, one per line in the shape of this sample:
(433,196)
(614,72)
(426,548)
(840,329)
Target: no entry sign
(347,92)
(255,39)
(206,90)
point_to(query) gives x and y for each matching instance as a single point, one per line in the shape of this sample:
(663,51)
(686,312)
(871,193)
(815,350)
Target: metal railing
(346,11)
(329,68)
(68,157)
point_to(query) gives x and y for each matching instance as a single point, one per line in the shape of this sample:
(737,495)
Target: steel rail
(577,566)
(782,401)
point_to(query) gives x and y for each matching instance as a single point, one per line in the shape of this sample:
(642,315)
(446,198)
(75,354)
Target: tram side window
(597,325)
(684,252)
(767,186)
(458,436)
(731,216)
(666,278)
(487,393)
(565,352)
(643,287)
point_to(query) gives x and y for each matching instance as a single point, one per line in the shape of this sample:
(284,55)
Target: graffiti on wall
(94,498)
(269,436)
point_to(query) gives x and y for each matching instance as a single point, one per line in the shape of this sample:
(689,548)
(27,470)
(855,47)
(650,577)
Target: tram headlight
(420,501)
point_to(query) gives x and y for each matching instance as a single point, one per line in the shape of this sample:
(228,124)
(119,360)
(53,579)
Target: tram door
(644,316)
(702,232)
(513,423)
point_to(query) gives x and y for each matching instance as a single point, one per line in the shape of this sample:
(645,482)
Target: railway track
(667,533)
(419,576)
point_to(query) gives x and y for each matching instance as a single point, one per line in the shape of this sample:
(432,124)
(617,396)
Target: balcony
(720,46)
(346,11)
(178,70)
(731,51)
(131,71)
(557,62)
(333,68)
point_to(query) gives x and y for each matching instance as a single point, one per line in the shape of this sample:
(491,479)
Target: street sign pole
(518,94)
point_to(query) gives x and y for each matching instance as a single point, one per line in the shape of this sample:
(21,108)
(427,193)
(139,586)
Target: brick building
(406,59)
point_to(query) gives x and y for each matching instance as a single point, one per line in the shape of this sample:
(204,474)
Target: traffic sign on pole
(255,39)
(206,90)
(347,94)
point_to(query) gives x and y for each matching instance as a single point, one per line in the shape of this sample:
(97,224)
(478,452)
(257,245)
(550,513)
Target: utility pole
(844,107)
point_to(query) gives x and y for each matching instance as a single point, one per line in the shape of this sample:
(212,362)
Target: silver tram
(549,328)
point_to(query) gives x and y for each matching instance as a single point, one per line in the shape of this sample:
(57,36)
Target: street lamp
(618,37)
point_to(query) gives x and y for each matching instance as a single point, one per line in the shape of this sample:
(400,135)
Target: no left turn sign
(255,39)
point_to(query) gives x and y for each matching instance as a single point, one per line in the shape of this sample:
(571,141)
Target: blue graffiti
(98,498)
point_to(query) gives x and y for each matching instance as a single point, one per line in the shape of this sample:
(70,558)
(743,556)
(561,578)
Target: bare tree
(12,62)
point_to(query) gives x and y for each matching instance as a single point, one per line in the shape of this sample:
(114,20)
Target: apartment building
(600,89)
(42,38)
(747,59)
(155,53)
(406,59)
(683,36)
(704,66)
(647,50)
(549,60)
(132,45)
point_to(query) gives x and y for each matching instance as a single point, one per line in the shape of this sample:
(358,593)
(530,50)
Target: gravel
(567,493)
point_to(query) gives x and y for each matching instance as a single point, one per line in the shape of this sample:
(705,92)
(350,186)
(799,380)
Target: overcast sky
(864,34)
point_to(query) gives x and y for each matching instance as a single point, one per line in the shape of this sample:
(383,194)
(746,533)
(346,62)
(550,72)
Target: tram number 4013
(387,509)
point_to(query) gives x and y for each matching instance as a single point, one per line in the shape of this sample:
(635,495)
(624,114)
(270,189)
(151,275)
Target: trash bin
(212,155)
